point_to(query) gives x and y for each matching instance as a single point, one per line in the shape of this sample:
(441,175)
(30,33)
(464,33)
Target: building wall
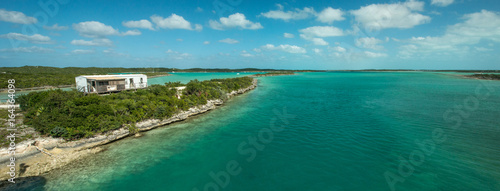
(81,81)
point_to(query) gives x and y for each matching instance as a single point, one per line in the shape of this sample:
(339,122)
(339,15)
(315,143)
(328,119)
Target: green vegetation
(487,76)
(73,115)
(38,76)
(274,74)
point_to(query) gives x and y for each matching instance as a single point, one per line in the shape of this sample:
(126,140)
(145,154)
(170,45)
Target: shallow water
(343,131)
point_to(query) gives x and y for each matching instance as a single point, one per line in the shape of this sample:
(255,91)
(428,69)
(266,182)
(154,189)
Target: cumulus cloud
(174,22)
(369,42)
(80,51)
(322,31)
(296,14)
(338,49)
(317,33)
(177,55)
(285,48)
(244,53)
(206,42)
(398,15)
(95,29)
(131,33)
(143,24)
(236,20)
(229,41)
(55,27)
(94,42)
(329,15)
(36,38)
(318,41)
(476,27)
(33,49)
(16,17)
(288,35)
(342,52)
(374,54)
(441,3)
(317,50)
(112,52)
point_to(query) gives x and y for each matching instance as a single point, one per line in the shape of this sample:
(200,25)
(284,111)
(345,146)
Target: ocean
(315,131)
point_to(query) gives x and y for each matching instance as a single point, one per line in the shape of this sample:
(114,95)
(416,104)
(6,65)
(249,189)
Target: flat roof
(123,75)
(105,78)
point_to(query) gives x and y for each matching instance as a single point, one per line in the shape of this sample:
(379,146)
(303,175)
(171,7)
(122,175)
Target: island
(57,127)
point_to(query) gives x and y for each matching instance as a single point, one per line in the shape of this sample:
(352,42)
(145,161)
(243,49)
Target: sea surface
(409,131)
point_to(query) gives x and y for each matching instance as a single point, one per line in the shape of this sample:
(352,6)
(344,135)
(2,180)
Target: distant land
(40,77)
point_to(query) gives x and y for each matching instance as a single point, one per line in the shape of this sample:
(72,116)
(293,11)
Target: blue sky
(320,34)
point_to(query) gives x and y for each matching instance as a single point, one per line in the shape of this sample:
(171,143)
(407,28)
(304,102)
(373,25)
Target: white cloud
(288,35)
(312,34)
(33,49)
(131,33)
(374,54)
(338,49)
(370,43)
(173,22)
(329,15)
(441,3)
(112,52)
(16,17)
(317,50)
(178,56)
(94,42)
(199,9)
(236,20)
(296,14)
(257,50)
(322,31)
(170,51)
(198,27)
(36,38)
(180,39)
(477,27)
(244,53)
(229,41)
(482,49)
(285,48)
(397,15)
(94,29)
(80,51)
(55,27)
(143,24)
(206,42)
(318,41)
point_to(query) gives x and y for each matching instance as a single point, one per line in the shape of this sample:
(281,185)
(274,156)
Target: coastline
(266,75)
(41,155)
(157,76)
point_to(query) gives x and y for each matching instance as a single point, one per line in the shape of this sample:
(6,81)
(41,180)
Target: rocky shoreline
(41,155)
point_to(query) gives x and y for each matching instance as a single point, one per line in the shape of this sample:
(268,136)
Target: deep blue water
(316,131)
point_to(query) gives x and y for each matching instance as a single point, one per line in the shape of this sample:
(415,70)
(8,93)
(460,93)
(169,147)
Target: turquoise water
(186,77)
(341,131)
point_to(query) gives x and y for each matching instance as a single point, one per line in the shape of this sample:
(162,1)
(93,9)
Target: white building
(110,83)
